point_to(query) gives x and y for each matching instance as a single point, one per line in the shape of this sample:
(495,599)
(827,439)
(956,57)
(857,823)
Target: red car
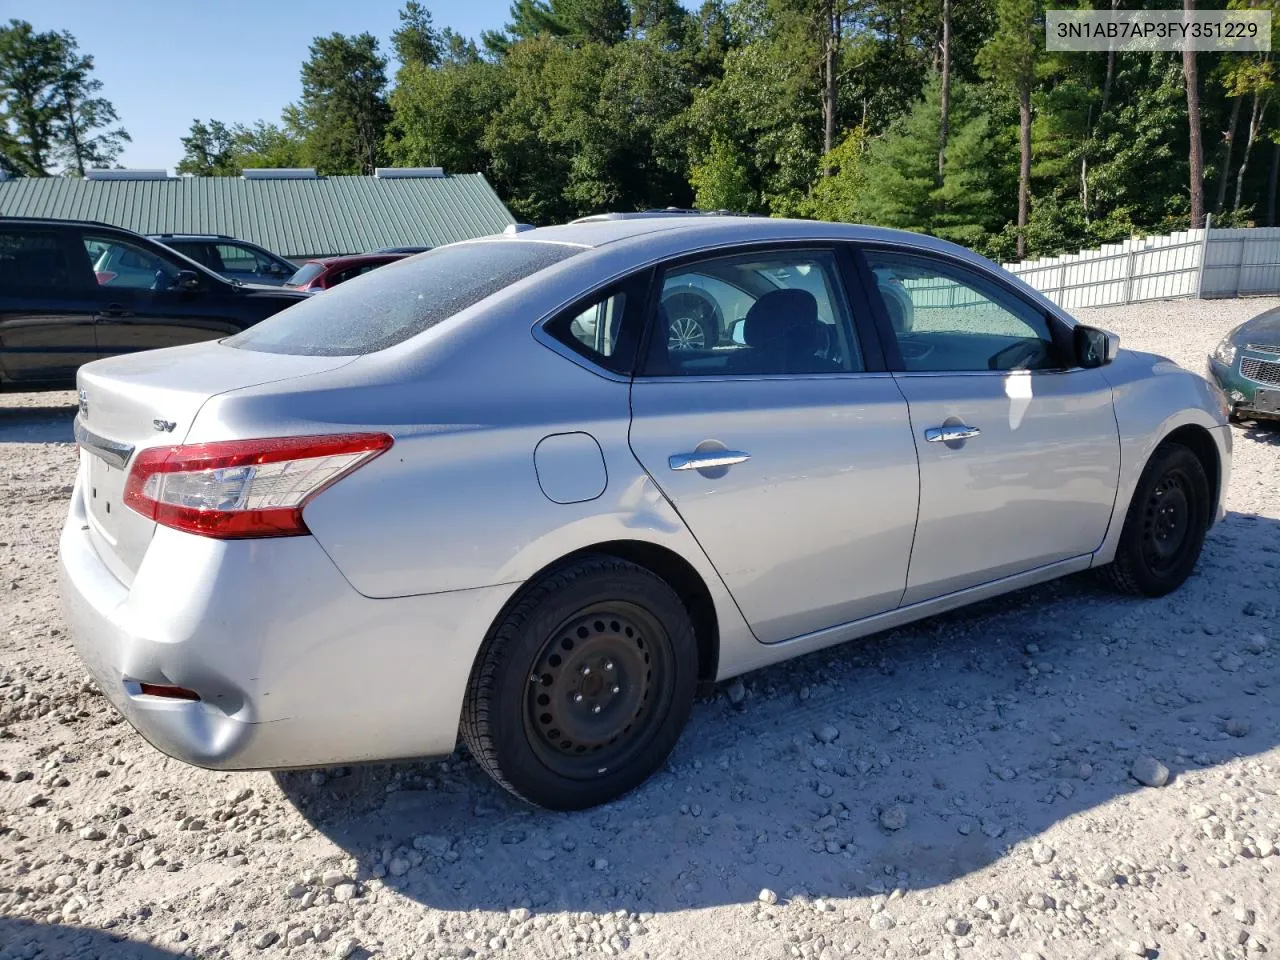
(328,272)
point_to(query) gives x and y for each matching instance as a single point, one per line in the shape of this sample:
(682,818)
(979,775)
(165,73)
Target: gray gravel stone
(1150,772)
(1238,727)
(893,817)
(736,692)
(265,939)
(827,734)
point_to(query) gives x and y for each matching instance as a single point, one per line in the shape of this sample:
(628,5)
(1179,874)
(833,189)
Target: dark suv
(232,258)
(73,291)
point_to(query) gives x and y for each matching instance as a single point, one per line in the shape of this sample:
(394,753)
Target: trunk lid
(150,399)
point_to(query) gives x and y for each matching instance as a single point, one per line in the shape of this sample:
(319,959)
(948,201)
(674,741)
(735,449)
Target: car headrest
(781,315)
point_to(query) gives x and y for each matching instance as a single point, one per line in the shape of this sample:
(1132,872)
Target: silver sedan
(537,489)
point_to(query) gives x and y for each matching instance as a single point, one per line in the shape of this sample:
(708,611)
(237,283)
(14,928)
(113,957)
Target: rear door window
(393,304)
(36,260)
(769,312)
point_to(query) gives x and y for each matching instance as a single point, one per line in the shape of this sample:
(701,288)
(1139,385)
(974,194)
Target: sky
(164,63)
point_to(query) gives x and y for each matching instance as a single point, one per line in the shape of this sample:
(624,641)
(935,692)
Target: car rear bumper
(294,668)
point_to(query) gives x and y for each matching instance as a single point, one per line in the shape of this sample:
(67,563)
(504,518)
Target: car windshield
(389,305)
(305,274)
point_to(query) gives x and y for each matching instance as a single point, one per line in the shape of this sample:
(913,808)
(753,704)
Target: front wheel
(1165,527)
(583,686)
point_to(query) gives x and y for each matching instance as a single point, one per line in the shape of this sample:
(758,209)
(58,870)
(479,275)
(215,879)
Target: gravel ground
(988,784)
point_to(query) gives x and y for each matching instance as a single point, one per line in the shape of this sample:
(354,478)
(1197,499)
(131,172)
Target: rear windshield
(305,275)
(393,303)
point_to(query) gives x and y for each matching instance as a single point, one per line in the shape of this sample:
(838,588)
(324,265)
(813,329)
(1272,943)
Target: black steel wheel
(1165,526)
(583,686)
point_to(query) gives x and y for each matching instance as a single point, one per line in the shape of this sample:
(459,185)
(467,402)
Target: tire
(1165,527)
(584,685)
(693,321)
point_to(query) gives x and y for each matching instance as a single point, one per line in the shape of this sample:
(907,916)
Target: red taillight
(104,277)
(243,488)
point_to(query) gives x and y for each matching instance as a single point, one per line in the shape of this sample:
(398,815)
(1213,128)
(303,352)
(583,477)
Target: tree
(343,114)
(579,21)
(945,97)
(51,111)
(900,177)
(840,194)
(217,150)
(1196,149)
(721,181)
(439,115)
(31,66)
(209,150)
(1010,58)
(416,41)
(84,136)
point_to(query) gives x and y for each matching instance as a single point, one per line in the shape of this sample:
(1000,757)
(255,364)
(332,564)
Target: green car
(1246,365)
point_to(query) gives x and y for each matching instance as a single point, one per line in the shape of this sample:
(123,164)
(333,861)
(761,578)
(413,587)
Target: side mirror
(186,280)
(1095,347)
(736,333)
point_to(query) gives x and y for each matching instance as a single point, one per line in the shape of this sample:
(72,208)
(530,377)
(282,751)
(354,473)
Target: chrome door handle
(948,434)
(707,461)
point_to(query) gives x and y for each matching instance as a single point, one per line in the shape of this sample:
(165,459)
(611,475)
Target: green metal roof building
(293,212)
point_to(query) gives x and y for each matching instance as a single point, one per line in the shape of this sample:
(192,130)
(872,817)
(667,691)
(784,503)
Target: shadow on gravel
(21,938)
(1263,431)
(957,737)
(981,729)
(43,424)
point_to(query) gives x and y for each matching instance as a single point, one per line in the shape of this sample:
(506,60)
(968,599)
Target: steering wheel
(1019,355)
(913,349)
(694,320)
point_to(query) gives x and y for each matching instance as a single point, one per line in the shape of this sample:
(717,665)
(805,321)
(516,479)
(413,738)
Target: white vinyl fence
(1209,263)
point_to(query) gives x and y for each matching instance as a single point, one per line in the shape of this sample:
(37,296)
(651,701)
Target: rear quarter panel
(456,502)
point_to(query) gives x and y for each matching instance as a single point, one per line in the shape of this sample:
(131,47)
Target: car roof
(63,222)
(606,229)
(347,259)
(197,236)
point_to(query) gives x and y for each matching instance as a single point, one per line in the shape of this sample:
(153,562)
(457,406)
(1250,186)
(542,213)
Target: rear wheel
(693,321)
(1165,527)
(583,687)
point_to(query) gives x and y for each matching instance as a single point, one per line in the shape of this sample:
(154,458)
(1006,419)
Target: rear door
(1019,448)
(769,423)
(47,305)
(142,307)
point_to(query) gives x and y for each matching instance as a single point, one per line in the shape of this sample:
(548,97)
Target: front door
(788,458)
(1019,449)
(141,306)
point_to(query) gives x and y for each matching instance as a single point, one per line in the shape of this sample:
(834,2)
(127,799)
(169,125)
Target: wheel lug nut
(577,698)
(615,689)
(608,665)
(585,671)
(596,708)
